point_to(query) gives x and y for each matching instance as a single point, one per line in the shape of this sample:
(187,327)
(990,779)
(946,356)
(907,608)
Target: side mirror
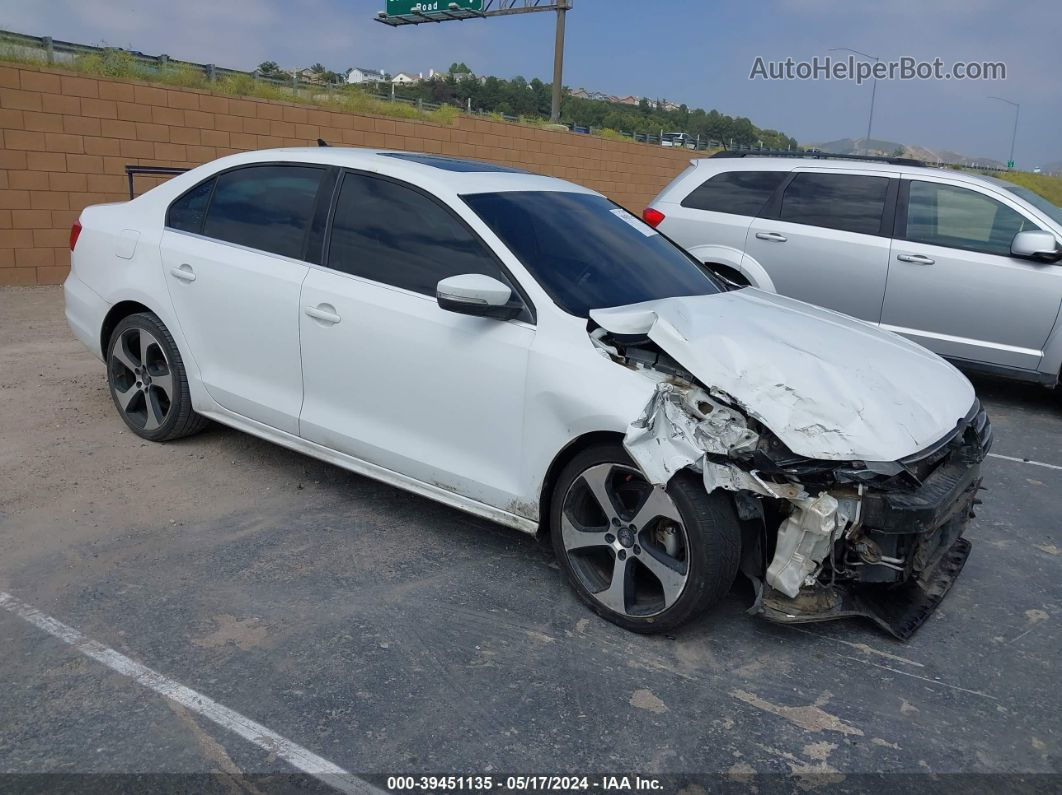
(478,295)
(1036,244)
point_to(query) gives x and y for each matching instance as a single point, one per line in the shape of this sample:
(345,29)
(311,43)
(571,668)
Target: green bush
(110,63)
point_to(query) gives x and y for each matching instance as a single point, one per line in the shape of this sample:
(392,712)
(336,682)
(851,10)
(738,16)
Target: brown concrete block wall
(67,138)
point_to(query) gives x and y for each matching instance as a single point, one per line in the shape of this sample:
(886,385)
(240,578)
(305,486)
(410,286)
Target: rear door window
(945,215)
(188,211)
(265,207)
(849,202)
(736,192)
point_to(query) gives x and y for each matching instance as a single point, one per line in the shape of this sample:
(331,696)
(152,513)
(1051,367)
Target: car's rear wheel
(147,380)
(644,557)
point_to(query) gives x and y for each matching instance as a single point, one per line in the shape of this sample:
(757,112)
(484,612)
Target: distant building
(360,75)
(409,79)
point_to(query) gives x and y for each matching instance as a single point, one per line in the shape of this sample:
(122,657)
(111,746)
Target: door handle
(917,259)
(184,273)
(323,312)
(774,237)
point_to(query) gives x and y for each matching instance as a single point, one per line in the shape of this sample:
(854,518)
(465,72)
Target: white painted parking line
(295,755)
(1025,461)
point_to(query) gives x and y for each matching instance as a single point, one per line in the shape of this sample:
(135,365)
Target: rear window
(588,253)
(737,192)
(849,202)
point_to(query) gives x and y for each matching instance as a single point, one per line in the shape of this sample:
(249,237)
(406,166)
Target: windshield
(588,253)
(1036,200)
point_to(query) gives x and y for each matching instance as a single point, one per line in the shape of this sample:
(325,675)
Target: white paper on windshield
(644,228)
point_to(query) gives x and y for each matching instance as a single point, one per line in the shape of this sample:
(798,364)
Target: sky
(698,52)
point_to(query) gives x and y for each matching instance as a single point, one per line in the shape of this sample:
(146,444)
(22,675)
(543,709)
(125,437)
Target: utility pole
(1014,135)
(558,63)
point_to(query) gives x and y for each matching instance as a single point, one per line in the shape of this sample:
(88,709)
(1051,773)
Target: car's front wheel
(147,380)
(644,557)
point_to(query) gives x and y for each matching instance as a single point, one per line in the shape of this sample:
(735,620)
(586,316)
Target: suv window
(944,215)
(737,192)
(396,235)
(188,211)
(264,207)
(850,202)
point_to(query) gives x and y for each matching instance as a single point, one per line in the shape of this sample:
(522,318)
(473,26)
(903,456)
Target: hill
(878,147)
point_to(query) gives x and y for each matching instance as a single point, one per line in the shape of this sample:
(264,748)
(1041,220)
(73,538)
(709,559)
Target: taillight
(652,217)
(75,231)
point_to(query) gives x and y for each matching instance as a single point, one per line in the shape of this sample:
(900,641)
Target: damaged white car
(521,348)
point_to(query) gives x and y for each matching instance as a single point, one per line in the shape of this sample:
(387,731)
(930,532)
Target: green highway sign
(399,8)
(1010,164)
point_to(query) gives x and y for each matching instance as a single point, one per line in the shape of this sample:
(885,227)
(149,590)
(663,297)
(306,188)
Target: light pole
(873,89)
(1014,135)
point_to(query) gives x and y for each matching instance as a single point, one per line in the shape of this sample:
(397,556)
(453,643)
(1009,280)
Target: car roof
(838,163)
(437,173)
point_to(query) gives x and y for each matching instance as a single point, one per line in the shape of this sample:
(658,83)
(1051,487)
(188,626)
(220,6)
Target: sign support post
(417,12)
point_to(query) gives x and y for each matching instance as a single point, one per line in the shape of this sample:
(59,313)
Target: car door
(392,378)
(954,286)
(825,239)
(233,253)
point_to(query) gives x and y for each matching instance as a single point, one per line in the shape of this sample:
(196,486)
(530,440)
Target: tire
(147,380)
(681,537)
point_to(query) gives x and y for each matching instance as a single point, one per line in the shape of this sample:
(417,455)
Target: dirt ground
(389,634)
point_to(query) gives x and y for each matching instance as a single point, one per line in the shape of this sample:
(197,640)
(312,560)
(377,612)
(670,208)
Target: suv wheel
(646,558)
(147,380)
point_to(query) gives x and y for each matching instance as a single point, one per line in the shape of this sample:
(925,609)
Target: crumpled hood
(829,386)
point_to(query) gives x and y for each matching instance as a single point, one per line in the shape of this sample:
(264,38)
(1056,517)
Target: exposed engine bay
(822,539)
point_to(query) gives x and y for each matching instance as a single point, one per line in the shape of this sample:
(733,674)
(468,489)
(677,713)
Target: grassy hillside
(1048,187)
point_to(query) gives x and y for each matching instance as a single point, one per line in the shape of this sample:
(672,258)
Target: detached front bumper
(901,558)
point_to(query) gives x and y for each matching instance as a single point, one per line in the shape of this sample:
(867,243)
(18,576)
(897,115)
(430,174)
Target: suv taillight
(652,217)
(75,231)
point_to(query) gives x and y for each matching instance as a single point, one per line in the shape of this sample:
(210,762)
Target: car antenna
(322,142)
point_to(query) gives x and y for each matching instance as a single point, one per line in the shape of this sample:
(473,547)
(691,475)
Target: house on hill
(361,75)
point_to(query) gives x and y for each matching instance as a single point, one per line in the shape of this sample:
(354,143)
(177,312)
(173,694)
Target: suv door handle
(324,312)
(917,259)
(184,273)
(774,237)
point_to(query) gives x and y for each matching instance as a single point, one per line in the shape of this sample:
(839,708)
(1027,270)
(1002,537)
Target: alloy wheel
(625,540)
(141,379)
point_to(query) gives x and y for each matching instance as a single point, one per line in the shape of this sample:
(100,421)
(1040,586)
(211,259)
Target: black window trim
(210,200)
(772,210)
(530,316)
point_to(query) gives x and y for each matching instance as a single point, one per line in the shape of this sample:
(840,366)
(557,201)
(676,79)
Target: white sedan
(521,348)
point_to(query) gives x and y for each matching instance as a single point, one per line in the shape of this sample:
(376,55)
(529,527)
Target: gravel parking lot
(390,635)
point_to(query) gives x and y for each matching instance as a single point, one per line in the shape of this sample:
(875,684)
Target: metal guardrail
(132,171)
(58,52)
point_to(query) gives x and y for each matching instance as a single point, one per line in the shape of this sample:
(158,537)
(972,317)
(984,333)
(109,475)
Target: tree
(459,69)
(270,69)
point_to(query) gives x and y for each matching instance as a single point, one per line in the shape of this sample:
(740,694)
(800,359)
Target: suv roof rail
(815,154)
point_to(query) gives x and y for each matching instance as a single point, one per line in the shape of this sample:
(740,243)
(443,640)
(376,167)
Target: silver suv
(967,266)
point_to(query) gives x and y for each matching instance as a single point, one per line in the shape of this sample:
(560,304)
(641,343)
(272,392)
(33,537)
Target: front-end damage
(822,539)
